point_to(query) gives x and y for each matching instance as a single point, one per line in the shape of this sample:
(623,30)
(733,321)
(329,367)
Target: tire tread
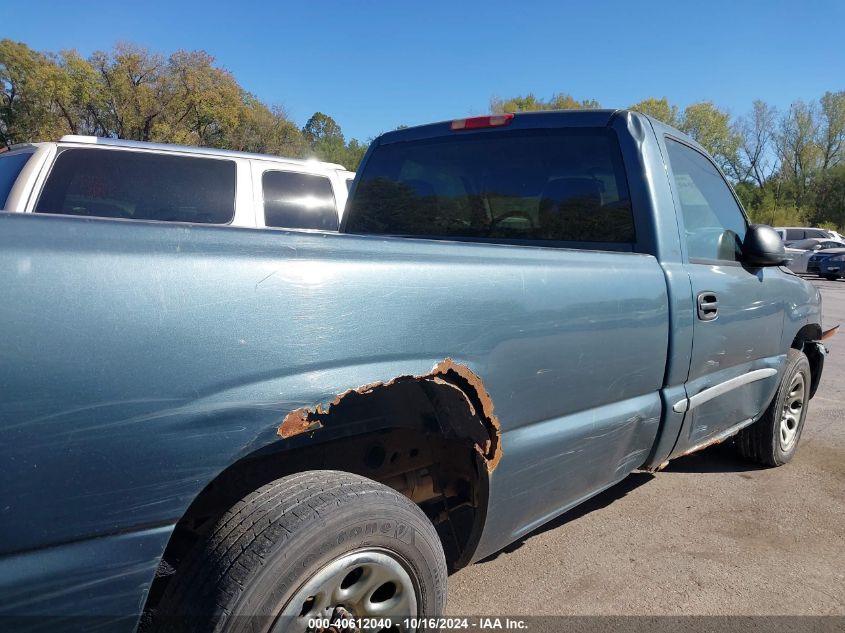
(219,569)
(758,442)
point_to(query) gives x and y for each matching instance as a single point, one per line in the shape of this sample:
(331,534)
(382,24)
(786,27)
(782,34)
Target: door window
(713,221)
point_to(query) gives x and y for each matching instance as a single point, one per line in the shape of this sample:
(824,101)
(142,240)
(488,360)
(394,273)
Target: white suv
(790,234)
(133,180)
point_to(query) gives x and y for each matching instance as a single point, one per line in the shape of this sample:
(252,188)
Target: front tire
(318,545)
(773,439)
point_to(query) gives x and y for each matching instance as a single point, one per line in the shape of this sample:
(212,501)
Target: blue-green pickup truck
(208,428)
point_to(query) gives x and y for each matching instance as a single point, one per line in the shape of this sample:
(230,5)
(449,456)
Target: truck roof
(538,119)
(75,139)
(545,118)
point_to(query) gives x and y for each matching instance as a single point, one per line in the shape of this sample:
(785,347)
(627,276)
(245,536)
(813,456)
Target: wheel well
(803,341)
(428,437)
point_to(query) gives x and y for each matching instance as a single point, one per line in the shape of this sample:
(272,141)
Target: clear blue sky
(375,65)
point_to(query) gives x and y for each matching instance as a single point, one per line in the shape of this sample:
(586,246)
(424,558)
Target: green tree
(129,92)
(138,90)
(327,142)
(798,149)
(832,128)
(332,150)
(829,198)
(265,130)
(711,127)
(321,127)
(755,133)
(530,103)
(660,109)
(205,104)
(82,99)
(30,82)
(355,151)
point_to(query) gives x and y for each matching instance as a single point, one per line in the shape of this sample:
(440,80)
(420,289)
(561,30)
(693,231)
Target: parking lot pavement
(710,535)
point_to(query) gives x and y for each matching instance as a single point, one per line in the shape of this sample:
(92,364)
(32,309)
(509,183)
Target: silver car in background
(805,255)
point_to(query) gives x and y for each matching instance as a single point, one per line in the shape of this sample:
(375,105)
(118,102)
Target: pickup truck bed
(235,300)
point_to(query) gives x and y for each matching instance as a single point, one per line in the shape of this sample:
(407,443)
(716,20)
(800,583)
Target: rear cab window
(294,200)
(549,187)
(11,166)
(140,186)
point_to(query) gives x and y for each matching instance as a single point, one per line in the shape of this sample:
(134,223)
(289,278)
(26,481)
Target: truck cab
(614,182)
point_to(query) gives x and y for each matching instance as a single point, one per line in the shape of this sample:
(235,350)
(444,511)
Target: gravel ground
(710,535)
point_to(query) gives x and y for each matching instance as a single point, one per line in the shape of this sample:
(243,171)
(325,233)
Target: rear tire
(830,277)
(320,538)
(773,439)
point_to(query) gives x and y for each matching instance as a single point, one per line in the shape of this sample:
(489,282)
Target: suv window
(10,166)
(140,186)
(549,185)
(298,201)
(714,223)
(794,235)
(816,233)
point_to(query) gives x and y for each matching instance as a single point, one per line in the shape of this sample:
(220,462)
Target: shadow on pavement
(720,458)
(632,482)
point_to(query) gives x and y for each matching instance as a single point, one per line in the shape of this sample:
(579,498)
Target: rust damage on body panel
(476,421)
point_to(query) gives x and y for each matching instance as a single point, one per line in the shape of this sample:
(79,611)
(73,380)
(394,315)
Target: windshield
(565,185)
(10,166)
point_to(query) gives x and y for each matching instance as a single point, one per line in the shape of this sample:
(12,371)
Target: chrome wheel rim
(369,584)
(793,410)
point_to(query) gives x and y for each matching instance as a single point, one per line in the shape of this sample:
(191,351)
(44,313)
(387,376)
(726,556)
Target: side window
(794,234)
(140,186)
(714,223)
(298,201)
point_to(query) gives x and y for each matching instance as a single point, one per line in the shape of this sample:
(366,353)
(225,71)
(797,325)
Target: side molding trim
(723,387)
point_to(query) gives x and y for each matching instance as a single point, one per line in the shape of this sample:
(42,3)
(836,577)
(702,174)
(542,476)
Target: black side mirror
(763,247)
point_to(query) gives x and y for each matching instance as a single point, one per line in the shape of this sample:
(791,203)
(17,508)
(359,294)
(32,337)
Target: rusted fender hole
(446,373)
